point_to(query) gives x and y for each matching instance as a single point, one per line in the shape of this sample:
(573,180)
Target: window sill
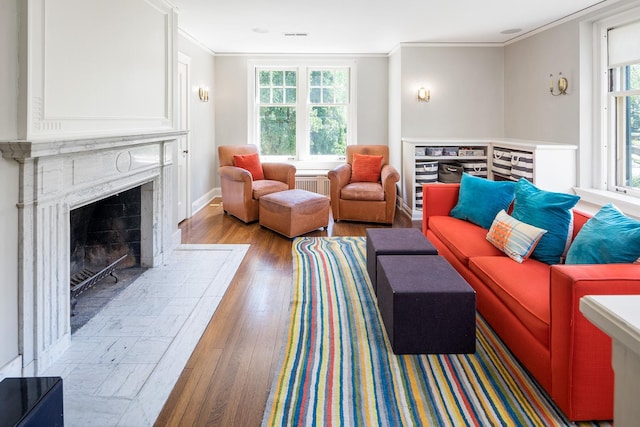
(311,166)
(591,200)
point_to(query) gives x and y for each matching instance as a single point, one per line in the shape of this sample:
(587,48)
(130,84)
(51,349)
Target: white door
(183,142)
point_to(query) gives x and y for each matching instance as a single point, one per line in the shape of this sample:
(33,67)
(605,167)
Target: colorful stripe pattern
(338,368)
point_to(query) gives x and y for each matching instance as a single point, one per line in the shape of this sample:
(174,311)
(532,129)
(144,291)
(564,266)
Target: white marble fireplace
(57,176)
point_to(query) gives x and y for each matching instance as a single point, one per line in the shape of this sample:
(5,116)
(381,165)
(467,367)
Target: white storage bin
(521,165)
(426,171)
(501,163)
(478,169)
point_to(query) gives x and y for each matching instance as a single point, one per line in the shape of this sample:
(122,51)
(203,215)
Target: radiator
(315,184)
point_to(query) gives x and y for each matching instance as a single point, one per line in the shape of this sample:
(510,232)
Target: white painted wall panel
(100,67)
(116,68)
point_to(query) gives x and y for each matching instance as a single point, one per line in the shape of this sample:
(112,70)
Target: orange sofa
(534,307)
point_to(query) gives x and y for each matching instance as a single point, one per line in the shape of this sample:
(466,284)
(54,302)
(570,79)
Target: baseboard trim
(12,369)
(203,201)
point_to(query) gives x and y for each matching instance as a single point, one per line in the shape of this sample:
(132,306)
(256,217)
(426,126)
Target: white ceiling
(362,26)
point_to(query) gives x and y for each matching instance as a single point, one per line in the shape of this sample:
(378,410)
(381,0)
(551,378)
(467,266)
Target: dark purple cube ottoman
(426,306)
(394,241)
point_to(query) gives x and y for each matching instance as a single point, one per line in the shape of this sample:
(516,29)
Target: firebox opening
(105,252)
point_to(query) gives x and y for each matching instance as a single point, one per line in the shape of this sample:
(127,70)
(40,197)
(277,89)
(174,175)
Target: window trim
(606,151)
(302,66)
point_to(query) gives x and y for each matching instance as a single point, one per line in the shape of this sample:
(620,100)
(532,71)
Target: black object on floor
(31,402)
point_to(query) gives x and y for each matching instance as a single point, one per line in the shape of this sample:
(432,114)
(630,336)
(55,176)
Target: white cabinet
(549,166)
(422,157)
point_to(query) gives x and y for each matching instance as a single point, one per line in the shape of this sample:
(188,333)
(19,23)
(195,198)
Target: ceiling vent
(296,34)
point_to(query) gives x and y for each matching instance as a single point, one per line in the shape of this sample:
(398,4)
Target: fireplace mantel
(24,149)
(56,176)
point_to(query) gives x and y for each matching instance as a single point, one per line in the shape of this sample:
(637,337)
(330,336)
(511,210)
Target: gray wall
(8,69)
(203,169)
(231,94)
(466,86)
(530,110)
(8,261)
(395,109)
(8,184)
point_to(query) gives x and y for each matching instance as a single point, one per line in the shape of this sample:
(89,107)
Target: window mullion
(302,139)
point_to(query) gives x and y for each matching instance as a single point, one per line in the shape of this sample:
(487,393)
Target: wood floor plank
(227,379)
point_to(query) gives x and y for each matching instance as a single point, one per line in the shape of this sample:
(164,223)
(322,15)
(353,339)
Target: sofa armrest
(582,376)
(283,172)
(389,176)
(234,173)
(438,200)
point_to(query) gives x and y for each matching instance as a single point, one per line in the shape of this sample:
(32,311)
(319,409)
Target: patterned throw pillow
(366,168)
(250,162)
(513,237)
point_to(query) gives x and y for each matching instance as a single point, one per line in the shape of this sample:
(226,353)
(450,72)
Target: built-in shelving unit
(549,166)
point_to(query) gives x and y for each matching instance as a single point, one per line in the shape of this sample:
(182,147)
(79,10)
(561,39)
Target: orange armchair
(240,192)
(364,201)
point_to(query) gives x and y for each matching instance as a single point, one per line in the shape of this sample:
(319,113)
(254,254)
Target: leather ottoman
(394,241)
(294,212)
(425,305)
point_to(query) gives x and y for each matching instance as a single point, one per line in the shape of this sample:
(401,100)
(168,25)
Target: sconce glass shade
(424,95)
(203,93)
(563,85)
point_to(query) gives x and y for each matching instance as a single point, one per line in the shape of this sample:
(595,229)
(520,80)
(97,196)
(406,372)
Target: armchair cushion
(363,191)
(366,168)
(262,187)
(250,162)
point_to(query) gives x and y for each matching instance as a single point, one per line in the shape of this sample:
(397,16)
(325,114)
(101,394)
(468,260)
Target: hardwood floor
(226,381)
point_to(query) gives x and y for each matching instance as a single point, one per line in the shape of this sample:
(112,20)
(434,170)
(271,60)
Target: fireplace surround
(57,176)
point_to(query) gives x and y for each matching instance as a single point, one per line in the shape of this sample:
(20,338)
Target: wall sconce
(203,93)
(563,85)
(424,95)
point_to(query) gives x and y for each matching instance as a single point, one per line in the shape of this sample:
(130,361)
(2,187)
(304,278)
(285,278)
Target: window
(623,127)
(303,112)
(329,111)
(277,93)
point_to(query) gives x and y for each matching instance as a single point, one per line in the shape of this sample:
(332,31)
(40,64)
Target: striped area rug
(338,368)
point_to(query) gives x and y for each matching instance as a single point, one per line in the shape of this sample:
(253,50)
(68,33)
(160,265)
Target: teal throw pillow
(480,199)
(609,237)
(549,211)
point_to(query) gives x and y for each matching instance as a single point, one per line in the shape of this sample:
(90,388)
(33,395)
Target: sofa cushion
(481,199)
(365,191)
(610,237)
(523,288)
(549,211)
(515,238)
(464,239)
(267,186)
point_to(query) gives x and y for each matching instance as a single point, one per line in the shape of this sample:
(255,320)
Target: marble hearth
(57,176)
